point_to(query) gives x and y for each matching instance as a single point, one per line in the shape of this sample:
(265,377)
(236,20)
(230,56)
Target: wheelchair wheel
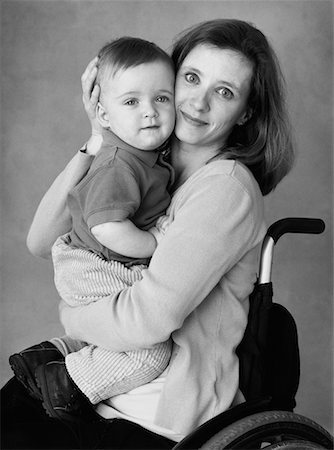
(271,430)
(294,445)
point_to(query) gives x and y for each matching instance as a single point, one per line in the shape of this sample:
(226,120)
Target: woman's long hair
(264,142)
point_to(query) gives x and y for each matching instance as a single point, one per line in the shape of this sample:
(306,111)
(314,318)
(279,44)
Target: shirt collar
(149,157)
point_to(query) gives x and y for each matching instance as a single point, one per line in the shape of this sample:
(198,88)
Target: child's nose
(150,111)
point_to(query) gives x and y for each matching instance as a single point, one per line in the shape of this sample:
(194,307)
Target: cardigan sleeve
(52,217)
(214,225)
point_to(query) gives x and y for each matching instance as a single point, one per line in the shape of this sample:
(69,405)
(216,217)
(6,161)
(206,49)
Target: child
(114,213)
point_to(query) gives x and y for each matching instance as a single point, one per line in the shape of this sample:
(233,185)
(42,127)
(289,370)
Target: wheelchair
(269,368)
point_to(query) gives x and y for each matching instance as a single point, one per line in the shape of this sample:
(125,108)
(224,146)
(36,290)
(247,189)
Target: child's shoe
(26,362)
(62,399)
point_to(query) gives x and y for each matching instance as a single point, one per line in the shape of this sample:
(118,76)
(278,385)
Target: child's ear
(102,116)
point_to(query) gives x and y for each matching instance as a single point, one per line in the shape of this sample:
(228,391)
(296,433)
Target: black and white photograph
(166,224)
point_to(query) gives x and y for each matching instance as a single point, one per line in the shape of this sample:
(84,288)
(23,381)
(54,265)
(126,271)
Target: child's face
(138,104)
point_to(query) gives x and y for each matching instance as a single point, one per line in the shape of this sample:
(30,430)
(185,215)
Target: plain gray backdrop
(44,49)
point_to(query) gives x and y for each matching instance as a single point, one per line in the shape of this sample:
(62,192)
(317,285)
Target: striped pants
(82,277)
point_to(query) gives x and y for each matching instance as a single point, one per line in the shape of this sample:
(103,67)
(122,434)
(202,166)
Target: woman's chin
(188,136)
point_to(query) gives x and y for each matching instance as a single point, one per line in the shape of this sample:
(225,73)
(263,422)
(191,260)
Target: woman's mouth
(192,120)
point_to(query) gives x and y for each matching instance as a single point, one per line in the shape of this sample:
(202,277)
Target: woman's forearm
(52,217)
(186,266)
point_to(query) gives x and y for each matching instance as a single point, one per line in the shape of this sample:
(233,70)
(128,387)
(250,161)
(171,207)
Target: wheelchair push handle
(295,225)
(275,231)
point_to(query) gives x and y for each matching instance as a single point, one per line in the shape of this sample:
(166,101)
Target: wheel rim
(285,432)
(293,445)
(275,428)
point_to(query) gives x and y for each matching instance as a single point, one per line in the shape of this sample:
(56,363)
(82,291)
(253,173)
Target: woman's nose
(200,101)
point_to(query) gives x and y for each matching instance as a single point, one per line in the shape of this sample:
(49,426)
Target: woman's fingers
(91,66)
(90,100)
(94,98)
(90,94)
(88,79)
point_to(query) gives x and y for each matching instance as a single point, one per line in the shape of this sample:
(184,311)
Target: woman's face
(211,92)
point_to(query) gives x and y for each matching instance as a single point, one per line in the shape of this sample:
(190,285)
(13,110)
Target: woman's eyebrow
(192,69)
(230,84)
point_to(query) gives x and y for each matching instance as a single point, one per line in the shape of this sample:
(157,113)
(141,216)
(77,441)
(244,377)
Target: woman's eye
(192,78)
(130,102)
(162,99)
(226,93)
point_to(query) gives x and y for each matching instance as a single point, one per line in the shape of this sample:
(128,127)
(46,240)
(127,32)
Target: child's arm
(125,238)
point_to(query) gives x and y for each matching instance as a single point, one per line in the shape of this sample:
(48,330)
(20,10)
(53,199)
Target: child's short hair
(127,52)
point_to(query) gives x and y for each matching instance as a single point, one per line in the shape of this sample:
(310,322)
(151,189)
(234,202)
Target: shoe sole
(24,375)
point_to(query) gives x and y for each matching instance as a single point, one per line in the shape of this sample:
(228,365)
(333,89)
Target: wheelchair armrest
(300,225)
(275,231)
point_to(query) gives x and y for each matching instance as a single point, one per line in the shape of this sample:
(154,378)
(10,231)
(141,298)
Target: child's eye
(226,93)
(131,102)
(162,99)
(191,78)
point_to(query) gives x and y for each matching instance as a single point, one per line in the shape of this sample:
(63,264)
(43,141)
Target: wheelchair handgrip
(295,225)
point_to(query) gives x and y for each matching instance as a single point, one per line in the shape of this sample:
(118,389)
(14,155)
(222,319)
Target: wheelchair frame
(256,423)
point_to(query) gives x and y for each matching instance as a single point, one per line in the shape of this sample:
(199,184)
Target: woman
(231,146)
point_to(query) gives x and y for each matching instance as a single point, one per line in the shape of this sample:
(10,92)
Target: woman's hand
(90,98)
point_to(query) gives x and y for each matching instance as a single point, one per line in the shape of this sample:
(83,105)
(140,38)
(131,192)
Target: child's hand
(90,95)
(160,228)
(162,224)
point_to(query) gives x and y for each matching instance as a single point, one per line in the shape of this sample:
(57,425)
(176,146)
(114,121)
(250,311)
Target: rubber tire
(270,426)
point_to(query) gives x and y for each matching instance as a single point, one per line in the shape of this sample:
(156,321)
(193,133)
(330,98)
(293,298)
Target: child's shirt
(123,182)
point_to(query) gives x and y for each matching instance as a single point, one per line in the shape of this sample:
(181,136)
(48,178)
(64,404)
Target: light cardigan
(196,289)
